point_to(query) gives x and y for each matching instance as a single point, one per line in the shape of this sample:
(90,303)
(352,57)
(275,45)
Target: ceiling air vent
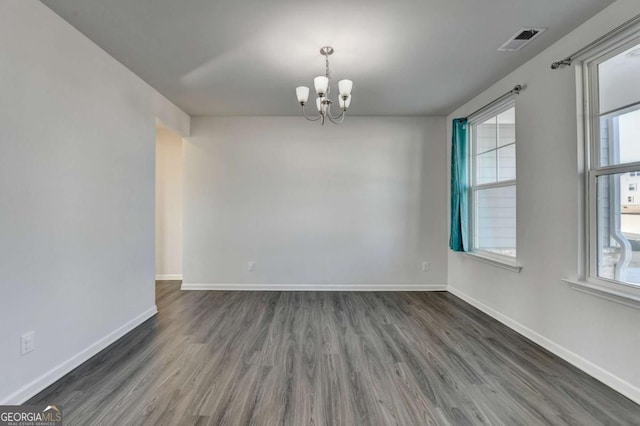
(521,39)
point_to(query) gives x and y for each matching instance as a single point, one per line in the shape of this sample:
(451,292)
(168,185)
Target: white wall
(168,204)
(77,137)
(360,203)
(598,335)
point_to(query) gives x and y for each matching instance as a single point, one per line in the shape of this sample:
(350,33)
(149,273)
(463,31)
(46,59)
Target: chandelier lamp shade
(322,86)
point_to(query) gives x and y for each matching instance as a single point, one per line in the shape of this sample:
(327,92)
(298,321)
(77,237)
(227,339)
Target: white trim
(616,383)
(169,277)
(492,110)
(617,294)
(498,184)
(31,389)
(314,287)
(494,261)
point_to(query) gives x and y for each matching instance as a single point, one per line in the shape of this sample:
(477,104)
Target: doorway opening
(168,204)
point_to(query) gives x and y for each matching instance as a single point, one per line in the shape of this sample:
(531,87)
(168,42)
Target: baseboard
(598,373)
(169,277)
(315,287)
(30,390)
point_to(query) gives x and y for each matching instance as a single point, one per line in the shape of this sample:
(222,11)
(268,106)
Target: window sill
(624,295)
(495,261)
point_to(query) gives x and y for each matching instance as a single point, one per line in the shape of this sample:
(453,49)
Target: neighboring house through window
(493,181)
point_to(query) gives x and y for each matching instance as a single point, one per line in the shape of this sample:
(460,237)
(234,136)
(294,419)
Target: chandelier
(323,89)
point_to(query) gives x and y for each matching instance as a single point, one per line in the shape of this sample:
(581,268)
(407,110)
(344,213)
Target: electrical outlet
(425,266)
(251,266)
(27,342)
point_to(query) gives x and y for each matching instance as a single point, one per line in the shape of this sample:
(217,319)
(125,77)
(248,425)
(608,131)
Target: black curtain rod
(515,91)
(569,59)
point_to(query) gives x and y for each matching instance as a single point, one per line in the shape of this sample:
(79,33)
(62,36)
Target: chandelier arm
(310,118)
(335,117)
(339,119)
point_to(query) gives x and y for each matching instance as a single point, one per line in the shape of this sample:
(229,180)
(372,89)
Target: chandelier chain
(326,59)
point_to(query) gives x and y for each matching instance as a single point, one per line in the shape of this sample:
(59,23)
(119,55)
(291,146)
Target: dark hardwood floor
(314,358)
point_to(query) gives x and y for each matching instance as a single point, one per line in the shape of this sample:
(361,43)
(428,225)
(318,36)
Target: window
(493,182)
(612,87)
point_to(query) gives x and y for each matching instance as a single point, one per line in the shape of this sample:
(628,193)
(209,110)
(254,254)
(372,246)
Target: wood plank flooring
(334,358)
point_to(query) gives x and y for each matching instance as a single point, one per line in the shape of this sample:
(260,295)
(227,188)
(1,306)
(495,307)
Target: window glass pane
(619,80)
(507,127)
(496,134)
(486,171)
(620,138)
(629,136)
(495,220)
(486,135)
(507,163)
(618,228)
(618,96)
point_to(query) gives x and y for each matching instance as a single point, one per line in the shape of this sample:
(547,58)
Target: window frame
(472,121)
(593,169)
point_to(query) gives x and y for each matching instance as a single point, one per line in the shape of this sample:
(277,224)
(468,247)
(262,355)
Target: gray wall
(361,203)
(599,335)
(77,136)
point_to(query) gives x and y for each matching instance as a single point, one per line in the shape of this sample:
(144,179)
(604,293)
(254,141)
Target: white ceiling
(245,57)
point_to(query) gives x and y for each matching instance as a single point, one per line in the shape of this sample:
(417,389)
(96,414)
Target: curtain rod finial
(564,62)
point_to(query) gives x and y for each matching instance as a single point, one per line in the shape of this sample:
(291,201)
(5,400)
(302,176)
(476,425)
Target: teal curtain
(459,186)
